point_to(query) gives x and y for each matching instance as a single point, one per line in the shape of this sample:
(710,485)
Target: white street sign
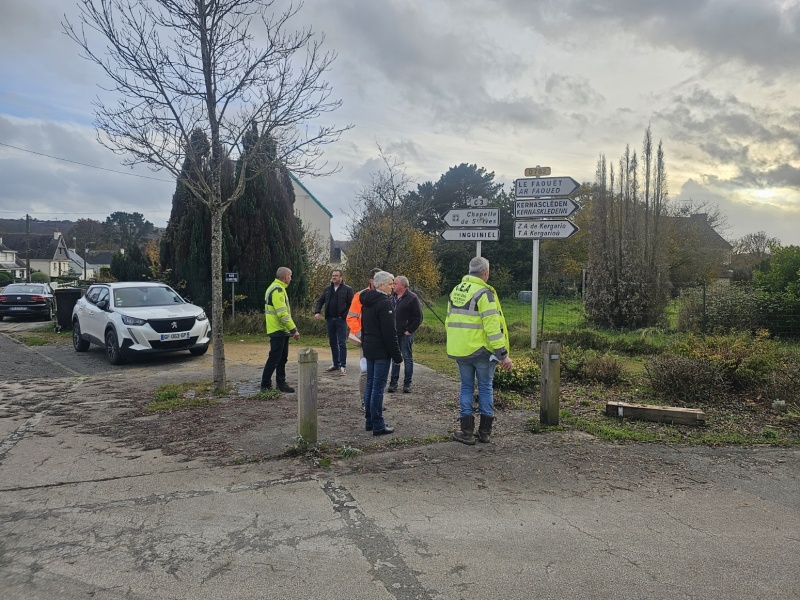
(471,235)
(549,207)
(477,202)
(473,217)
(556,229)
(536,187)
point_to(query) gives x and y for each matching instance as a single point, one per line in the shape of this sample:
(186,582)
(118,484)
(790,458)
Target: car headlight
(202,316)
(133,320)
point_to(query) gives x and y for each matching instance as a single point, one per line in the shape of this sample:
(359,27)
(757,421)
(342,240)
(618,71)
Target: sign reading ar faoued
(537,187)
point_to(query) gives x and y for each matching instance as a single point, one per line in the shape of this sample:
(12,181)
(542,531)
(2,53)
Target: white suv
(138,318)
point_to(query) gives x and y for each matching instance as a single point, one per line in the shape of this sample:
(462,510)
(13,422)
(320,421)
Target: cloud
(764,34)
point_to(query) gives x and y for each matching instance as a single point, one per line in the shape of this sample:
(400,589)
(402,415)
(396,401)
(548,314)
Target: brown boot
(465,436)
(485,428)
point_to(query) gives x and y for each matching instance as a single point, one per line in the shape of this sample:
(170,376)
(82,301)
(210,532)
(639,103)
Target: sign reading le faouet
(536,187)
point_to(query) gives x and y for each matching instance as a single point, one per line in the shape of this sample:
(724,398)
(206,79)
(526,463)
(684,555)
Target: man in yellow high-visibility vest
(477,338)
(280,327)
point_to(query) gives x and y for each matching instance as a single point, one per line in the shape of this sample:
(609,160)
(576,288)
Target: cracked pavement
(550,516)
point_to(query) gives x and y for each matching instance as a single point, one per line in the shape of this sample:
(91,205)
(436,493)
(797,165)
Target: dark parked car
(27,300)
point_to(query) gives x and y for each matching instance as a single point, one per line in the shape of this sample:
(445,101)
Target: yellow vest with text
(475,324)
(278,312)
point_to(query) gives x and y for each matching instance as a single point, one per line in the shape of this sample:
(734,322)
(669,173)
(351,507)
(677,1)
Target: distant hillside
(12,226)
(37,226)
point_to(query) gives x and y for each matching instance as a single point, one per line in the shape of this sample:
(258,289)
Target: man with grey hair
(407,317)
(379,343)
(477,338)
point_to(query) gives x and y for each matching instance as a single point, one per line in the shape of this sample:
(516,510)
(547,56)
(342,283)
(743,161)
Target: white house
(10,263)
(315,217)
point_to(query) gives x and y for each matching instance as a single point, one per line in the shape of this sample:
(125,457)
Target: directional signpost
(539,198)
(554,229)
(549,207)
(475,216)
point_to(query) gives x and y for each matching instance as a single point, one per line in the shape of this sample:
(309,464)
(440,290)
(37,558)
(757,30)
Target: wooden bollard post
(307,395)
(550,383)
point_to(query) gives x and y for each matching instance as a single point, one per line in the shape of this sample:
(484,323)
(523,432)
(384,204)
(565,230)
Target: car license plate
(174,336)
(18,308)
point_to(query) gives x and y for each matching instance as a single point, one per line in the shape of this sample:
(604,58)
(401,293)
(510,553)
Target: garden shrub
(684,379)
(718,364)
(5,278)
(601,368)
(728,308)
(524,377)
(39,277)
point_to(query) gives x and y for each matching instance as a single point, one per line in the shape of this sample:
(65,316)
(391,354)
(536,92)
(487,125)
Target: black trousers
(276,361)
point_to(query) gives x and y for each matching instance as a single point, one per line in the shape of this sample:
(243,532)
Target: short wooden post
(550,383)
(307,395)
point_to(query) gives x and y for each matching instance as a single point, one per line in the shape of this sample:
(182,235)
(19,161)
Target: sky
(503,84)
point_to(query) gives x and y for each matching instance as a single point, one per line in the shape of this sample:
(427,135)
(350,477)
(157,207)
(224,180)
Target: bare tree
(181,66)
(755,245)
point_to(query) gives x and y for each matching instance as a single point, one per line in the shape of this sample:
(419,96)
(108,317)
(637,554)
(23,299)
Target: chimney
(56,234)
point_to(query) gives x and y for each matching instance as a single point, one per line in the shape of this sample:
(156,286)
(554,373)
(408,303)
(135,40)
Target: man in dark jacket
(336,297)
(407,317)
(379,343)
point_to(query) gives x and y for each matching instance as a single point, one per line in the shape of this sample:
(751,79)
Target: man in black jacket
(336,297)
(408,317)
(379,343)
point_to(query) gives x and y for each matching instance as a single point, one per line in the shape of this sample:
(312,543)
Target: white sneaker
(343,371)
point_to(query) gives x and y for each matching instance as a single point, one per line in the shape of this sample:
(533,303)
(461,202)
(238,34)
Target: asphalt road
(553,516)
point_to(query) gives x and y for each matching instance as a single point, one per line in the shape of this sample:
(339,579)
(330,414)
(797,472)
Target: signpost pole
(233,300)
(534,293)
(478,248)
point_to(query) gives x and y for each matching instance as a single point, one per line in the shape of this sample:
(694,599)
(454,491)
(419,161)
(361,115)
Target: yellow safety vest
(475,324)
(277,310)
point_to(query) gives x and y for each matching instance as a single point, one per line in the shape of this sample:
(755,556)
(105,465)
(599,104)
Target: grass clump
(183,395)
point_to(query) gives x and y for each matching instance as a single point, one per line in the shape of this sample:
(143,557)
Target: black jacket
(407,313)
(379,339)
(336,303)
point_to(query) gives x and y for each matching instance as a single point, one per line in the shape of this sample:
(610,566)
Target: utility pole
(27,248)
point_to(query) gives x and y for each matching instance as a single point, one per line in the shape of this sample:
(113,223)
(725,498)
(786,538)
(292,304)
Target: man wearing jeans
(477,338)
(336,297)
(408,317)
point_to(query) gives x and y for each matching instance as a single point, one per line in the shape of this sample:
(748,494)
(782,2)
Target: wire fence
(707,308)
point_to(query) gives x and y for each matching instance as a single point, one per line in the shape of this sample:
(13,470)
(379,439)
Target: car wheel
(1,317)
(80,344)
(112,348)
(198,351)
(51,313)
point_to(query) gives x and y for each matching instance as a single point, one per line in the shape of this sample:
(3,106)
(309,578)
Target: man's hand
(506,364)
(317,316)
(407,333)
(296,335)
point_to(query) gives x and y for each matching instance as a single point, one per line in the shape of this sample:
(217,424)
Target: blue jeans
(377,374)
(337,337)
(406,343)
(468,370)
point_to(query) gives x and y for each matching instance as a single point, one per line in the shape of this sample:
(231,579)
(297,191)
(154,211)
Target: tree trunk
(216,296)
